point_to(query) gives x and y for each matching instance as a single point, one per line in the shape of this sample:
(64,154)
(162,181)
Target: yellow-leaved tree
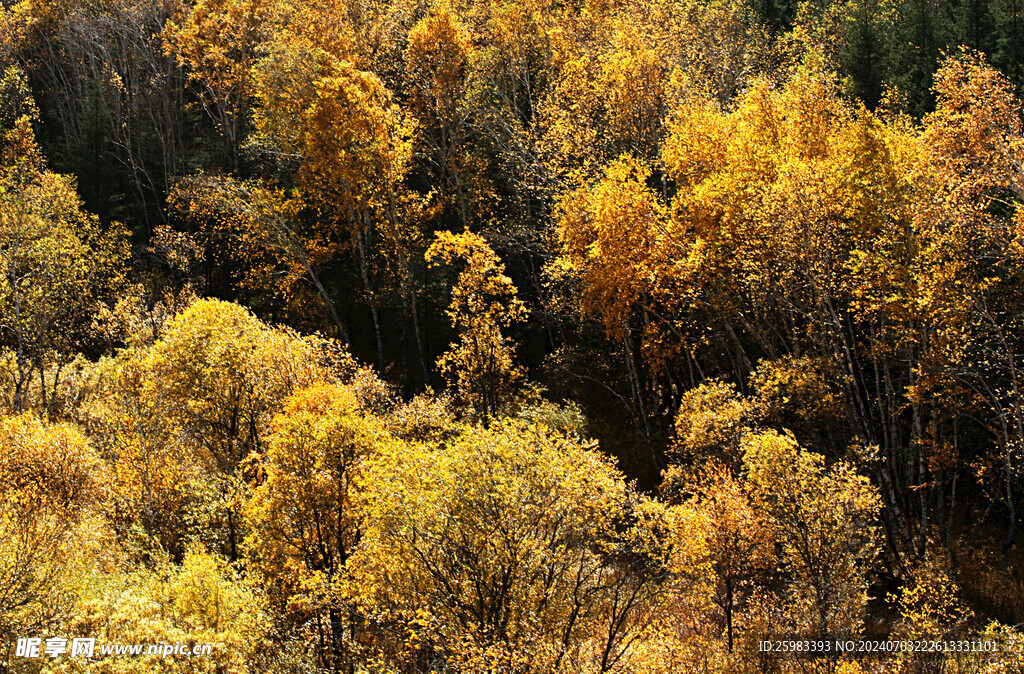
(219,375)
(512,549)
(351,145)
(438,61)
(740,540)
(481,365)
(217,42)
(52,493)
(826,519)
(58,265)
(201,601)
(156,477)
(303,520)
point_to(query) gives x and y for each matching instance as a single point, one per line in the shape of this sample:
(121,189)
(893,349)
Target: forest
(512,336)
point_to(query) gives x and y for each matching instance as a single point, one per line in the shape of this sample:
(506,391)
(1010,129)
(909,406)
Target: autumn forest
(512,336)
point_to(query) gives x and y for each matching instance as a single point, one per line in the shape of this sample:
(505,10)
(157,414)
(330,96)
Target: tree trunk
(371,298)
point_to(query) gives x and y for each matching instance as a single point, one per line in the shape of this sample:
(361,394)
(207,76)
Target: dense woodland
(511,336)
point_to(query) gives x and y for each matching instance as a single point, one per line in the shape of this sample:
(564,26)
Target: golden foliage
(201,601)
(512,547)
(52,496)
(59,265)
(303,519)
(827,522)
(484,302)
